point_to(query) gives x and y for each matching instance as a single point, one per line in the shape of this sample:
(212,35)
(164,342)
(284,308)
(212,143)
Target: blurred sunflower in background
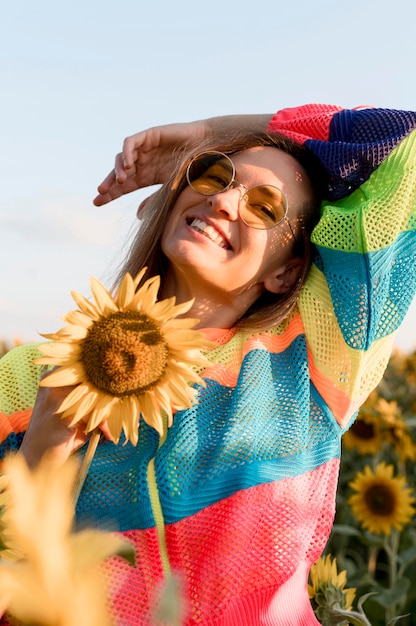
(5,346)
(382,501)
(380,424)
(365,435)
(395,429)
(127,355)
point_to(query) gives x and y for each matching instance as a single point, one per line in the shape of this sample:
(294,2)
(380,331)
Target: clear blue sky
(77,77)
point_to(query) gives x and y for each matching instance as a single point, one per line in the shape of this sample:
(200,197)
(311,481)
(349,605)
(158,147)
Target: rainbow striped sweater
(239,497)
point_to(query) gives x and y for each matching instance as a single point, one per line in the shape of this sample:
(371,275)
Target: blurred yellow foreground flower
(381,502)
(128,355)
(56,580)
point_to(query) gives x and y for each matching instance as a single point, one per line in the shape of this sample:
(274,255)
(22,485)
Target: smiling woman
(229,271)
(297,247)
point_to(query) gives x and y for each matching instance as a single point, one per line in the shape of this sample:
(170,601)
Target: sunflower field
(366,575)
(374,537)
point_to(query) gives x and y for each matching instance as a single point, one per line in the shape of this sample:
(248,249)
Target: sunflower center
(380,500)
(363,430)
(124,353)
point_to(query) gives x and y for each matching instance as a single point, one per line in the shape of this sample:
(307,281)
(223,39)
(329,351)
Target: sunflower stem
(85,465)
(372,560)
(391,548)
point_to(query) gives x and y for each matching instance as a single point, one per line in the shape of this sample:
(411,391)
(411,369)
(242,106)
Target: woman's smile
(209,231)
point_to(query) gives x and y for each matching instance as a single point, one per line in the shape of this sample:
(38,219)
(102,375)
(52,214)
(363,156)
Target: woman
(239,499)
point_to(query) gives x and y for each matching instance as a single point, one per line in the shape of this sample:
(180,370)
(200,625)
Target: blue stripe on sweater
(391,272)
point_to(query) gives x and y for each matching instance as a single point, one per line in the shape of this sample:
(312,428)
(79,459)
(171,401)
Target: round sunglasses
(261,207)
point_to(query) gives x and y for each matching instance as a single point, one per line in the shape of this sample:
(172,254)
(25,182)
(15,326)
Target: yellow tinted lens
(263,206)
(210,173)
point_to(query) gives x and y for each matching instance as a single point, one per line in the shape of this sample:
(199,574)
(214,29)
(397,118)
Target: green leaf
(407,556)
(389,597)
(373,540)
(342,529)
(364,598)
(350,617)
(394,621)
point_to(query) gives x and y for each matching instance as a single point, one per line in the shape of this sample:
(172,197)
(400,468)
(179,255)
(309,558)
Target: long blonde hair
(145,250)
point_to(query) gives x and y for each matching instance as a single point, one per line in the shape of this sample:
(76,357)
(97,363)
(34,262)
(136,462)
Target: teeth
(208,231)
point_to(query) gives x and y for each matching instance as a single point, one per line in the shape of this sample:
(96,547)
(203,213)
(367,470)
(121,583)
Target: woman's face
(214,253)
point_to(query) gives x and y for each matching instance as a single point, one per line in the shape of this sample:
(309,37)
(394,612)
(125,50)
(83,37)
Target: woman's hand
(48,433)
(148,157)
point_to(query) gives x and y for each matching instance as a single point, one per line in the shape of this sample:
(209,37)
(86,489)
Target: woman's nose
(226,202)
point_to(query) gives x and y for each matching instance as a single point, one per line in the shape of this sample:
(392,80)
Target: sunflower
(56,579)
(327,591)
(365,434)
(411,368)
(126,356)
(396,430)
(381,502)
(401,439)
(7,552)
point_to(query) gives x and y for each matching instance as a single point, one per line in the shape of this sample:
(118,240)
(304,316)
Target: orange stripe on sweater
(340,404)
(276,343)
(222,375)
(15,423)
(272,342)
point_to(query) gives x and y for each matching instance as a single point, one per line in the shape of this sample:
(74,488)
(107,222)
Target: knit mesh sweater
(239,498)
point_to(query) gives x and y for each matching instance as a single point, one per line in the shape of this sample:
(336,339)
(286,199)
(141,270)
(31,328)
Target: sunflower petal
(85,305)
(147,295)
(161,310)
(69,333)
(77,318)
(101,411)
(180,309)
(125,292)
(151,414)
(51,336)
(82,407)
(115,420)
(131,418)
(183,338)
(115,431)
(151,283)
(138,278)
(180,394)
(184,372)
(104,300)
(183,323)
(164,401)
(60,350)
(76,395)
(64,376)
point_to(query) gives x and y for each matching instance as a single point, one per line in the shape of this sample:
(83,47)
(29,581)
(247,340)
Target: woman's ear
(283,279)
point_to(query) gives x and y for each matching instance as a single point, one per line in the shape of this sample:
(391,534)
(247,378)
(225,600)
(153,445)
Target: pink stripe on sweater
(304,122)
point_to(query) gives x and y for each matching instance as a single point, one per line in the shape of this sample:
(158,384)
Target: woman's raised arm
(147,157)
